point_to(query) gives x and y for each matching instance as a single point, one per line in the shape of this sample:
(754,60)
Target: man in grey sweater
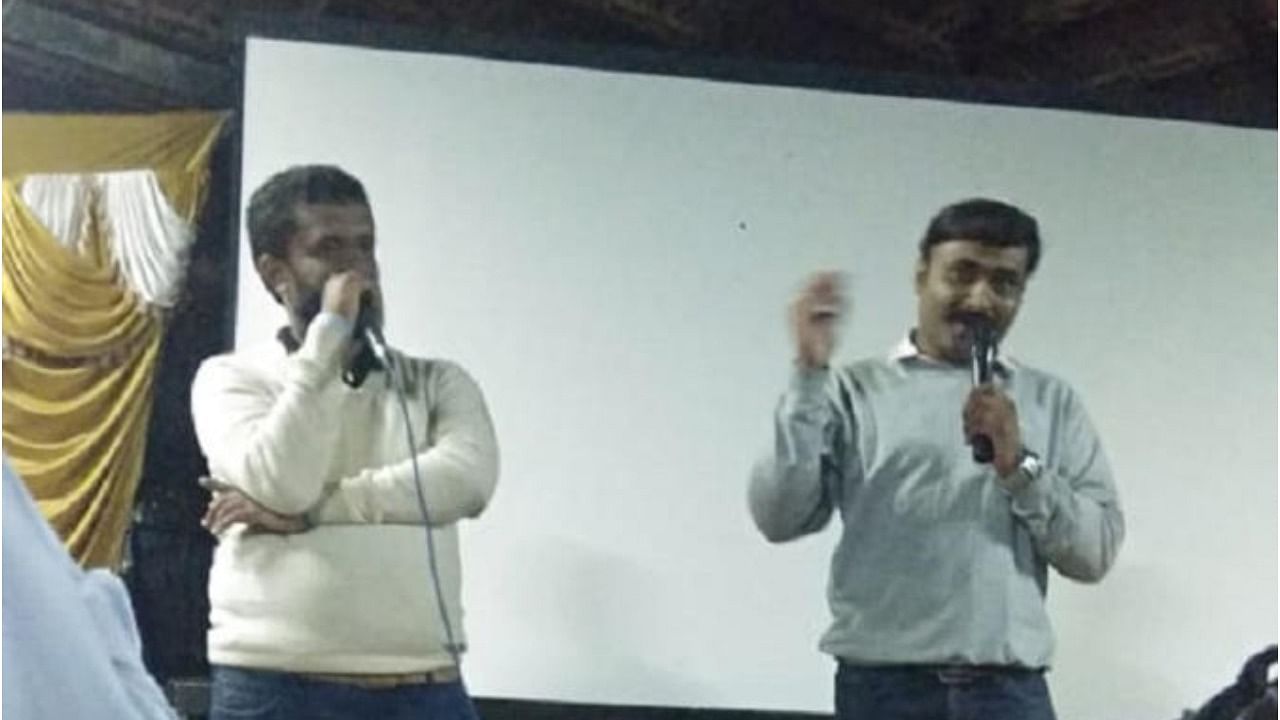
(938,581)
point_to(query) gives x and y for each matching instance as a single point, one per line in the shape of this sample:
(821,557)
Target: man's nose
(357,260)
(981,298)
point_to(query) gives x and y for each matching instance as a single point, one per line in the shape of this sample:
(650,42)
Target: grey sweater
(936,564)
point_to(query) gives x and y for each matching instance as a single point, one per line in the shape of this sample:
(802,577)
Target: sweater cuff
(1033,499)
(809,383)
(321,352)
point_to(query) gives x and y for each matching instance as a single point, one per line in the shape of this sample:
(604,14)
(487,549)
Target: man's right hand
(816,313)
(229,506)
(342,292)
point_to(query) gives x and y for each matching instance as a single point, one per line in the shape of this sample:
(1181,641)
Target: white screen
(610,255)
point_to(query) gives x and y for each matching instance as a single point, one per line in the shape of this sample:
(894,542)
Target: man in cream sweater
(326,600)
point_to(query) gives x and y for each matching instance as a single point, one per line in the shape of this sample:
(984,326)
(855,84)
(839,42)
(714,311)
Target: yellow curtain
(175,145)
(82,336)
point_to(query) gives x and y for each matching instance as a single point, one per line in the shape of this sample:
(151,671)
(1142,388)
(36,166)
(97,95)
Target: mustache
(980,328)
(973,320)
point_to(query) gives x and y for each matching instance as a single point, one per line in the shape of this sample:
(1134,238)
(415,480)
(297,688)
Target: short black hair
(271,218)
(986,221)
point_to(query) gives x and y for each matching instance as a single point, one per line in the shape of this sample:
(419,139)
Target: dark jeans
(242,694)
(907,693)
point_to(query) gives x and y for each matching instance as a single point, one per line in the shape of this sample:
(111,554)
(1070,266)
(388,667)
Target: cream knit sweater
(354,593)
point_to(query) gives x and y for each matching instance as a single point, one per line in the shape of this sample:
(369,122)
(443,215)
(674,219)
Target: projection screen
(610,253)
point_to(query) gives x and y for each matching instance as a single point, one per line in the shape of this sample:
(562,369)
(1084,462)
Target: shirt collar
(906,349)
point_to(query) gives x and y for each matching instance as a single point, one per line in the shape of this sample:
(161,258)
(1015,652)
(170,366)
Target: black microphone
(982,355)
(373,354)
(372,334)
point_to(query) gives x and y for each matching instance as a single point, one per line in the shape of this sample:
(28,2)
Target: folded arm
(458,467)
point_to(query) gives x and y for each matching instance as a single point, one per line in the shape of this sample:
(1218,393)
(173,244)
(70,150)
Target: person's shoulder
(871,369)
(256,360)
(1036,374)
(425,364)
(868,375)
(249,354)
(871,365)
(1044,383)
(436,372)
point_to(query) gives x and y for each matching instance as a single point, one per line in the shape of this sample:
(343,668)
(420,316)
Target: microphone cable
(451,645)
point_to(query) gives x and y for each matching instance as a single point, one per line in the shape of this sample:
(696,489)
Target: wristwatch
(1029,467)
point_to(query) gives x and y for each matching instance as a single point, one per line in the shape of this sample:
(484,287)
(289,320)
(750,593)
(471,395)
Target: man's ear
(275,276)
(922,273)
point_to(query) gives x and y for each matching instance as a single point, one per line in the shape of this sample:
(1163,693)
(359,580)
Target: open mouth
(966,328)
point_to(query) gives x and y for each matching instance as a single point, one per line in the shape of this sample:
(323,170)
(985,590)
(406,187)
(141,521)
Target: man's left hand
(990,412)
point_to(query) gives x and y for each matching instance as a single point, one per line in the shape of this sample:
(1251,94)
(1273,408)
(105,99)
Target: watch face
(1030,465)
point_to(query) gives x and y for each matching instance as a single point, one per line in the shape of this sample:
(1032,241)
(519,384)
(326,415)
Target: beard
(307,306)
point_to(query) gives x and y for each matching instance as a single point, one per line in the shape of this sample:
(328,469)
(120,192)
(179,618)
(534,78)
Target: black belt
(955,674)
(965,674)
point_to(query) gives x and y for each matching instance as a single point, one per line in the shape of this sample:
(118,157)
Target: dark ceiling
(1196,59)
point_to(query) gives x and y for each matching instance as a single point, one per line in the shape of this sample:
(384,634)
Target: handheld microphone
(982,356)
(373,353)
(370,332)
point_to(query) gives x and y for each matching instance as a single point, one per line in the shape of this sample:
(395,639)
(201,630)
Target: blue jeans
(243,694)
(908,693)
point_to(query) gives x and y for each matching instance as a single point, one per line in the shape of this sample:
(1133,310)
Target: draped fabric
(98,219)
